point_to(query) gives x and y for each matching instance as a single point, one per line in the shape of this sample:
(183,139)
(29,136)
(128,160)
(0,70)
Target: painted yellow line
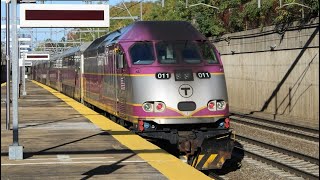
(109,74)
(168,165)
(3,84)
(221,73)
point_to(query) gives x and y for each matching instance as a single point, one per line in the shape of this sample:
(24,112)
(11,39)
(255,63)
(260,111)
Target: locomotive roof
(73,50)
(161,30)
(149,31)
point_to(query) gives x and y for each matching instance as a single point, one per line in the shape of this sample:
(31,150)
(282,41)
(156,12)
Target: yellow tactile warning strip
(168,165)
(3,84)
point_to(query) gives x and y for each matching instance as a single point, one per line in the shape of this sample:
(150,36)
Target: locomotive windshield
(173,52)
(208,53)
(142,53)
(166,53)
(188,50)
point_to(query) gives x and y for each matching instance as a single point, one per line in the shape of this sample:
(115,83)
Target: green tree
(231,15)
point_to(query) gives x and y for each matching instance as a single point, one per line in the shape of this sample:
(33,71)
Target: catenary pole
(15,151)
(8,66)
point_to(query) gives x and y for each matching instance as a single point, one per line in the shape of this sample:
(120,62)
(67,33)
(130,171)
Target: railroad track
(295,163)
(275,126)
(216,177)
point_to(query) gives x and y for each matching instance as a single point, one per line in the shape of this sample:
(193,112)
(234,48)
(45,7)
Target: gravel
(254,170)
(277,139)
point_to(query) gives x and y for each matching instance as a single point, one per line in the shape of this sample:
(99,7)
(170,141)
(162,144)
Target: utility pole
(15,150)
(8,66)
(141,10)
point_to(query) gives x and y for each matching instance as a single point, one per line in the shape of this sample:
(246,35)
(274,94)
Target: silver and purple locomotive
(161,79)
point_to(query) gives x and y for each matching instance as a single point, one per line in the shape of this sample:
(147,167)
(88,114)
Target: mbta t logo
(185,90)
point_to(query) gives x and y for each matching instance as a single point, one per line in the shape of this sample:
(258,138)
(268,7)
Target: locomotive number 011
(204,75)
(163,75)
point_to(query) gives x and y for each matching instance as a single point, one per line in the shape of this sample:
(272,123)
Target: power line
(128,7)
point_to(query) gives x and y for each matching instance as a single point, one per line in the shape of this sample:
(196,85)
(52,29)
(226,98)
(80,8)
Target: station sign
(24,39)
(26,63)
(24,46)
(37,56)
(64,15)
(20,39)
(23,50)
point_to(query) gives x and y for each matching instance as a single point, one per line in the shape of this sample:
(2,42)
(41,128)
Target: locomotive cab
(179,94)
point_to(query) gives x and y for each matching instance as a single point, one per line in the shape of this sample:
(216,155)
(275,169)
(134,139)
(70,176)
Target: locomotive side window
(142,53)
(208,53)
(120,60)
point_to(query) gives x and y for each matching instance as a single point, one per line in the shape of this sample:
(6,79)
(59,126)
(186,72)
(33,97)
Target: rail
(276,126)
(292,162)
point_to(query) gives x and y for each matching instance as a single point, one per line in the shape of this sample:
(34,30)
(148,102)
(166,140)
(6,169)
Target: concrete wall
(283,82)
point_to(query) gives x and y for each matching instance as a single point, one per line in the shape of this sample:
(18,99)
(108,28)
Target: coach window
(65,61)
(77,60)
(71,60)
(208,53)
(142,53)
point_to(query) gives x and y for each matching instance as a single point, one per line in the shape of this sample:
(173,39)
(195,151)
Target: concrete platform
(63,139)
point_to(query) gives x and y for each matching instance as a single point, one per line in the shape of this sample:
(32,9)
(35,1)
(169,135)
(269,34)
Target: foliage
(294,10)
(231,15)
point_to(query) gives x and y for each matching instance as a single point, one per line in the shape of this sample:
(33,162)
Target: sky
(44,33)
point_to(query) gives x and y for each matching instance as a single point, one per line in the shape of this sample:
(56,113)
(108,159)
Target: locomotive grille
(187,106)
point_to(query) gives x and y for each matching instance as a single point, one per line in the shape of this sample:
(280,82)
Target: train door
(114,82)
(81,78)
(121,84)
(101,76)
(77,89)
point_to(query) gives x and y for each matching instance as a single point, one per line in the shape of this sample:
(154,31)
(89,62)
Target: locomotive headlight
(212,106)
(221,105)
(156,106)
(159,106)
(147,107)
